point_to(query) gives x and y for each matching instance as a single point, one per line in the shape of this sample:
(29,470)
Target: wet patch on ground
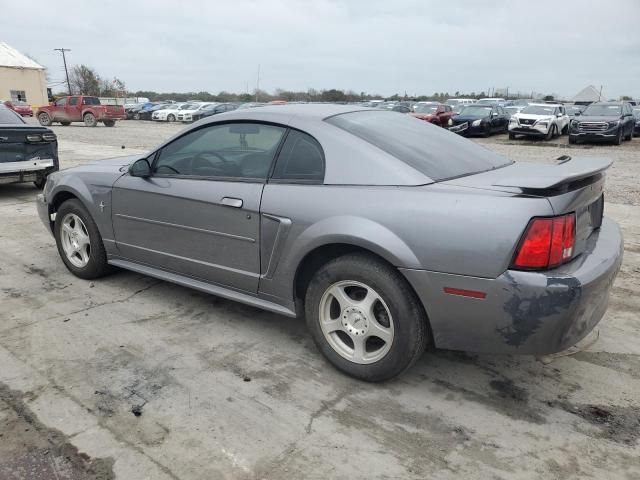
(618,424)
(31,451)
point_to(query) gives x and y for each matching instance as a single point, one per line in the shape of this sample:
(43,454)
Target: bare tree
(84,80)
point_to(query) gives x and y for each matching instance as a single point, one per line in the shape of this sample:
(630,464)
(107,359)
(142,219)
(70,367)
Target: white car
(186,115)
(170,114)
(539,120)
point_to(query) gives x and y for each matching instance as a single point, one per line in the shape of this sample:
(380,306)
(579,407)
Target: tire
(512,136)
(171,118)
(619,138)
(65,124)
(572,140)
(90,260)
(565,130)
(550,133)
(136,116)
(630,136)
(109,123)
(44,119)
(90,119)
(487,131)
(395,313)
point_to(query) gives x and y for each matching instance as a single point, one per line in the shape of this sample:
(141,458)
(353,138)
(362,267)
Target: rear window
(431,150)
(91,101)
(7,117)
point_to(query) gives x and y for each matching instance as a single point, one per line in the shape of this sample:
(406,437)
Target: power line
(64,59)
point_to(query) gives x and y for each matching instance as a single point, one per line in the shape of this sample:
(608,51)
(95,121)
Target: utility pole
(258,83)
(64,59)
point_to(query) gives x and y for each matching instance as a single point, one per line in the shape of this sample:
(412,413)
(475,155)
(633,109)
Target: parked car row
(186,112)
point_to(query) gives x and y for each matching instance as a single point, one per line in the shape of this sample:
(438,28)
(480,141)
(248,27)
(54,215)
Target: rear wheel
(90,120)
(79,242)
(136,116)
(109,123)
(44,119)
(365,318)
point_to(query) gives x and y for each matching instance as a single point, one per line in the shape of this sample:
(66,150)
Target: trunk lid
(570,185)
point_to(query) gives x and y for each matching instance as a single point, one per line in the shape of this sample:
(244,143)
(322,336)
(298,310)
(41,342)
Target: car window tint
(301,158)
(232,150)
(435,152)
(73,101)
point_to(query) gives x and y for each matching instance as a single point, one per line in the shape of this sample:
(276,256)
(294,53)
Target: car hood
(466,118)
(424,116)
(530,116)
(595,118)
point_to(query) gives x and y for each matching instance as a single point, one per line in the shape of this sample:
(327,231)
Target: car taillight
(49,137)
(34,138)
(547,243)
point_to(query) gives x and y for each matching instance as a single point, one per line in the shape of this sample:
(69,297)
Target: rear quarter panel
(439,228)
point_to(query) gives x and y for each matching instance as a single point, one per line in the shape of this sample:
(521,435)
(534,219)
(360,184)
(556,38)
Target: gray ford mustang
(388,234)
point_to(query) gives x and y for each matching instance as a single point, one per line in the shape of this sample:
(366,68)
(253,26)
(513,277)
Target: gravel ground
(132,378)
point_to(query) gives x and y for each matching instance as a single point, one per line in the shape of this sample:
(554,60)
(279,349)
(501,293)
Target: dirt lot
(133,378)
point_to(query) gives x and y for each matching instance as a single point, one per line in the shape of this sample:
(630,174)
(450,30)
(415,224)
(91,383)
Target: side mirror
(140,168)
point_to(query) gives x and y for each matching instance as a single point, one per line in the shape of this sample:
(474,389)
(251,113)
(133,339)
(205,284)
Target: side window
(232,150)
(301,159)
(73,101)
(62,102)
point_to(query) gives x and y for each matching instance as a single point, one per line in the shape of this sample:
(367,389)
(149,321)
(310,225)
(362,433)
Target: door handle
(232,202)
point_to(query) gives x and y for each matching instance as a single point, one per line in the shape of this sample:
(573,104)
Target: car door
(628,119)
(58,113)
(198,213)
(72,110)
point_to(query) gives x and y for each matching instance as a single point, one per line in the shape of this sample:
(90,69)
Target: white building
(21,79)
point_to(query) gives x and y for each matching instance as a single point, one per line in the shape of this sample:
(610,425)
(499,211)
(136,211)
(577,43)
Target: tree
(84,80)
(626,98)
(333,95)
(548,98)
(112,88)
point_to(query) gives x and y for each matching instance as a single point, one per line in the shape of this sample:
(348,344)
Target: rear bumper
(524,312)
(26,171)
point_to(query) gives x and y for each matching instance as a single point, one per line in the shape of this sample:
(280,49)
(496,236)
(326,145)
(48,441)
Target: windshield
(538,110)
(420,145)
(602,110)
(636,112)
(425,108)
(512,110)
(476,111)
(571,109)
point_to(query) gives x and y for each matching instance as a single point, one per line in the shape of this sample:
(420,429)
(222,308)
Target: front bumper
(528,130)
(524,312)
(466,128)
(44,212)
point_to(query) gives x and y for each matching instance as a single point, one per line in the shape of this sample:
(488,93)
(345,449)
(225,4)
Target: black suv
(609,121)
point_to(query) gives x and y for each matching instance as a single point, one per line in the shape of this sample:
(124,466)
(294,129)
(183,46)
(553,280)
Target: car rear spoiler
(529,176)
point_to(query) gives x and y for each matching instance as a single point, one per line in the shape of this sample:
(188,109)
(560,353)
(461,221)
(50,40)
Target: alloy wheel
(75,240)
(356,322)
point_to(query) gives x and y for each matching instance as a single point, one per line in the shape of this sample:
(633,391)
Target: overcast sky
(377,46)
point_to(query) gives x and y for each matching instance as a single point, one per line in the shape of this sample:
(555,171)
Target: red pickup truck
(80,108)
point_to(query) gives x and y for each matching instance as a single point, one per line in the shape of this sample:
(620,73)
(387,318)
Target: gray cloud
(376,46)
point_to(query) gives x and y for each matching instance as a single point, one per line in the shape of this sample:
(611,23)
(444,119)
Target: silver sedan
(388,234)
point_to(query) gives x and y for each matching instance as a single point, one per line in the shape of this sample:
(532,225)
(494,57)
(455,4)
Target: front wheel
(79,242)
(512,136)
(365,318)
(619,138)
(487,131)
(171,118)
(109,123)
(551,132)
(44,119)
(630,136)
(90,120)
